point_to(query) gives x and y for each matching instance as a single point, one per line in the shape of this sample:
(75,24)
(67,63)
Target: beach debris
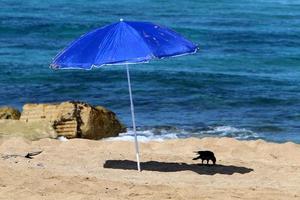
(28,155)
(273,156)
(34,153)
(75,119)
(40,165)
(205,155)
(9,113)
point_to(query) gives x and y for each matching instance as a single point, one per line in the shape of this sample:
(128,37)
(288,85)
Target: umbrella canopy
(123,43)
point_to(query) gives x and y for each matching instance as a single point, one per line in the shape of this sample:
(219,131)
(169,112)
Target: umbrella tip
(121,19)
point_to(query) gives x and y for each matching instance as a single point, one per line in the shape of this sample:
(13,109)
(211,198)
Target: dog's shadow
(175,167)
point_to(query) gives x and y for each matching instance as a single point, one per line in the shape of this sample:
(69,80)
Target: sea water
(244,82)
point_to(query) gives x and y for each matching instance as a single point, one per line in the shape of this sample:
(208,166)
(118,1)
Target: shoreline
(161,133)
(88,169)
(143,139)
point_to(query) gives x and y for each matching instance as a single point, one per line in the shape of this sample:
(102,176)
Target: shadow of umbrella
(175,167)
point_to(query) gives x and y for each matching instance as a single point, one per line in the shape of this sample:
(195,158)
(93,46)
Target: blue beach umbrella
(123,43)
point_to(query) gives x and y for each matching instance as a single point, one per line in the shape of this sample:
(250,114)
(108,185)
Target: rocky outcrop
(9,113)
(33,130)
(75,119)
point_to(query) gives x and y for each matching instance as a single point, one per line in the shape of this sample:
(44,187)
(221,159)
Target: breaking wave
(162,133)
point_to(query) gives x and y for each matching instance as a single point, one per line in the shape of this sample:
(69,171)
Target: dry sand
(85,169)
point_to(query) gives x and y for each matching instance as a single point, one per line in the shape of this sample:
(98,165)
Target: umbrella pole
(133,121)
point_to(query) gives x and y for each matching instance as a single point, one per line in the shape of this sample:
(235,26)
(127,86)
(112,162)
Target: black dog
(206,155)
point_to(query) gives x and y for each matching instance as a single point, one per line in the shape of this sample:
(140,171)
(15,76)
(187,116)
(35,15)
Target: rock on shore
(69,119)
(30,130)
(9,113)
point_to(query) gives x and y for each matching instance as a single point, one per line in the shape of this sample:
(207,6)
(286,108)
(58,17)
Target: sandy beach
(86,169)
(82,80)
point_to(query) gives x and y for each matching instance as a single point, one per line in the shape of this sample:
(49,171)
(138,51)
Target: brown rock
(75,119)
(9,113)
(100,122)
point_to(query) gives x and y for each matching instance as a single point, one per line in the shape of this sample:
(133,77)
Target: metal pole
(133,122)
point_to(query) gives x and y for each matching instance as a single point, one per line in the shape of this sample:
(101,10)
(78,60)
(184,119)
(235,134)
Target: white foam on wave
(143,136)
(228,131)
(163,133)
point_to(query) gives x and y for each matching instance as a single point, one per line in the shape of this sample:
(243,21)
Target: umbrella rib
(141,38)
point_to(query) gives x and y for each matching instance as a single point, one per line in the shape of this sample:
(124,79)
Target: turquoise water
(243,83)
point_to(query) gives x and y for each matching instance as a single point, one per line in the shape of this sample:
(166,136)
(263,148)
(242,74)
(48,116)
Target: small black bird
(206,155)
